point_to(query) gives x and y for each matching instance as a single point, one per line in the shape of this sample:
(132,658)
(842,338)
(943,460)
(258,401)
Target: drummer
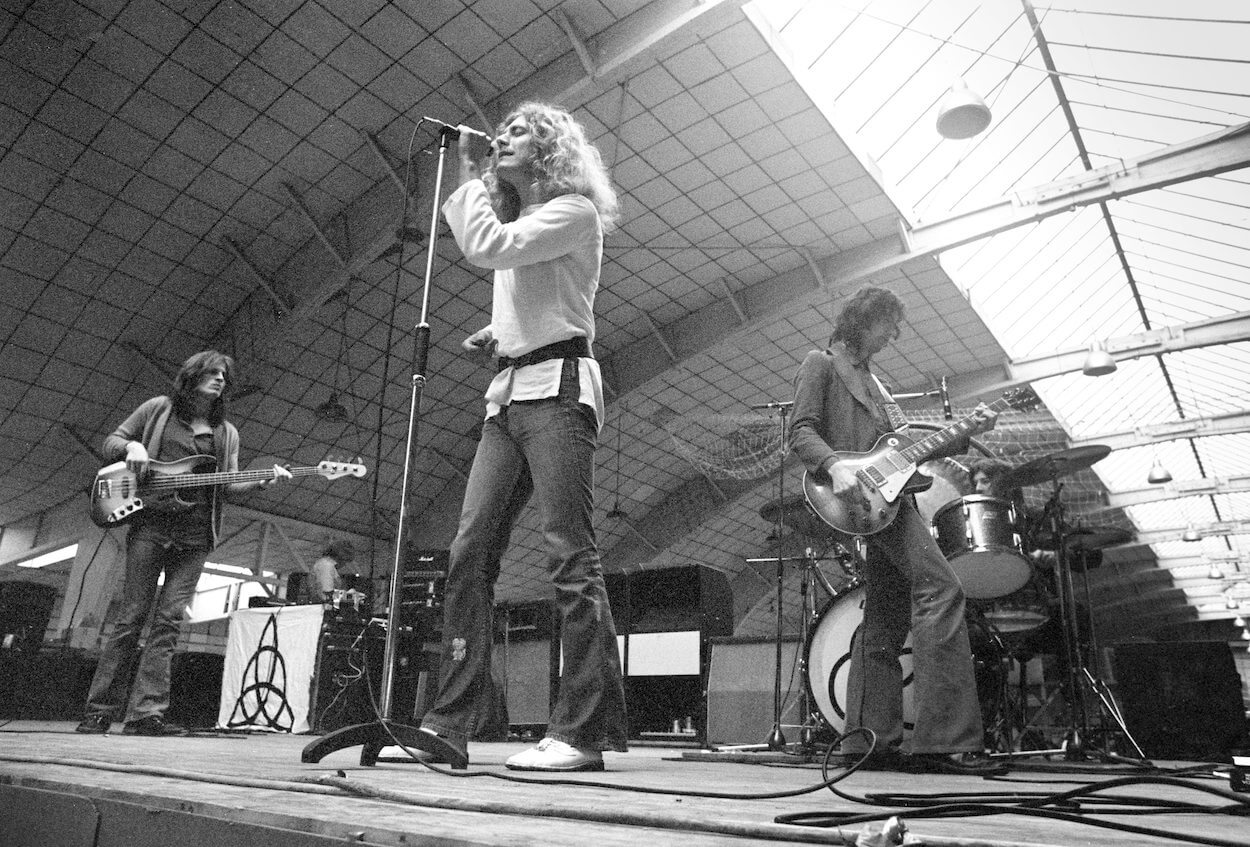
(989,477)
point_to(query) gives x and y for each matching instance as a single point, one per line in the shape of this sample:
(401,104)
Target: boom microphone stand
(383,732)
(777,738)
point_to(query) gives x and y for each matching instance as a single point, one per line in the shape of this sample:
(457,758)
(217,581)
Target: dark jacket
(832,409)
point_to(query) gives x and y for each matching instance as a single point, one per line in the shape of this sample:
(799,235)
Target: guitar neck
(921,450)
(193,480)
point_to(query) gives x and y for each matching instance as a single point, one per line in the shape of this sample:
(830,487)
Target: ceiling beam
(595,64)
(1157,536)
(718,321)
(1230,423)
(1205,156)
(1226,329)
(1171,491)
(1174,596)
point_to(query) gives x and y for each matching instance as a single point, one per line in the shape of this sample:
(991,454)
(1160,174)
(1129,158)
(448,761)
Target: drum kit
(1018,609)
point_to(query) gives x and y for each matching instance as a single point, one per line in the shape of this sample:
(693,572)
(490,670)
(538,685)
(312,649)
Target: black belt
(576,347)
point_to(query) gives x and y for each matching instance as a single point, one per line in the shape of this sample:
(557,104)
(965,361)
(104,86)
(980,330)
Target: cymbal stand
(776,738)
(1100,688)
(1078,675)
(1073,743)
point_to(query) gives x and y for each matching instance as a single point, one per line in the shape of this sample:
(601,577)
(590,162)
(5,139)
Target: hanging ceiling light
(962,113)
(1098,361)
(1158,474)
(1215,572)
(1191,534)
(331,409)
(1239,621)
(1230,602)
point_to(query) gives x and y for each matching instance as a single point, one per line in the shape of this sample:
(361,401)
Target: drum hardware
(793,512)
(979,537)
(1050,467)
(1079,679)
(811,578)
(1084,539)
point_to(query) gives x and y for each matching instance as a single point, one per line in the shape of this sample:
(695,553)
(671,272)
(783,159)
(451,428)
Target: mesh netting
(741,447)
(747,447)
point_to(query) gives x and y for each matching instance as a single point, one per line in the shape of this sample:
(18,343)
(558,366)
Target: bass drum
(829,657)
(829,662)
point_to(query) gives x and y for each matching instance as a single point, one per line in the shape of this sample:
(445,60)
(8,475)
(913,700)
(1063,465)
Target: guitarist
(173,537)
(840,406)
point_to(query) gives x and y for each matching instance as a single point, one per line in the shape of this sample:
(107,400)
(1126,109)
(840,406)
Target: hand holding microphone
(468,136)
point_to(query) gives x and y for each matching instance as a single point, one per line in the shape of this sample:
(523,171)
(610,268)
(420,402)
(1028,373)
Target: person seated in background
(331,570)
(990,478)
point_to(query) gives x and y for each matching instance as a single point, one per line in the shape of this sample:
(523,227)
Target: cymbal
(795,514)
(1095,538)
(1045,468)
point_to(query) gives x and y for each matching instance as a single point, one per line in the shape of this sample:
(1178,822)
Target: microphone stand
(383,732)
(777,738)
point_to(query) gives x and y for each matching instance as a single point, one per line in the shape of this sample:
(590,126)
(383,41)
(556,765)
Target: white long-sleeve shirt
(546,267)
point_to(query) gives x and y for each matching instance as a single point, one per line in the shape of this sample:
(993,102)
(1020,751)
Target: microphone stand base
(373,736)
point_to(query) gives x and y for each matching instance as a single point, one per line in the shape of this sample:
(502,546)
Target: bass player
(175,540)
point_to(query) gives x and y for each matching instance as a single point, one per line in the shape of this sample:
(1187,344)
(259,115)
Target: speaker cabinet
(1181,700)
(25,610)
(347,662)
(740,681)
(195,688)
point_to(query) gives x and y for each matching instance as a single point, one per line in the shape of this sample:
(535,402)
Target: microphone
(946,402)
(778,404)
(456,130)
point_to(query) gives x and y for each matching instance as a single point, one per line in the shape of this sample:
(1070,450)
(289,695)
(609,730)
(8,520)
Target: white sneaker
(552,755)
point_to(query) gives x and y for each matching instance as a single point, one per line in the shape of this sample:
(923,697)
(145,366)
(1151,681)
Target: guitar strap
(893,412)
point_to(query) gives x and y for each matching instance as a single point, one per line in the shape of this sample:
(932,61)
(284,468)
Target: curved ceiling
(257,177)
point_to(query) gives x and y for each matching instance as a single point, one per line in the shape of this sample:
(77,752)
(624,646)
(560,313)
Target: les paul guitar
(117,494)
(889,470)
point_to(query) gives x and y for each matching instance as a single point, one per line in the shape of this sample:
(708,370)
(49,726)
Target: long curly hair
(866,306)
(564,161)
(189,377)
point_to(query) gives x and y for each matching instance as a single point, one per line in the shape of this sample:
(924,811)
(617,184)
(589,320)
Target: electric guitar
(889,470)
(118,494)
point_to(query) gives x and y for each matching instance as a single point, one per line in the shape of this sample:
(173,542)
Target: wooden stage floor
(61,789)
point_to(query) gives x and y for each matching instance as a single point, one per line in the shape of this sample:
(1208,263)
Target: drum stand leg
(809,578)
(1078,676)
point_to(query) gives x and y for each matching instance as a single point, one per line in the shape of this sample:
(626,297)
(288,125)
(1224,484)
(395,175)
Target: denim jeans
(910,585)
(148,552)
(543,448)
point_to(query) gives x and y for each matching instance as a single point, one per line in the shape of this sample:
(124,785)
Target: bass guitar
(118,494)
(889,470)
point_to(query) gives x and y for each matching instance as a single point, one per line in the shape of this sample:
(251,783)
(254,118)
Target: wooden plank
(190,776)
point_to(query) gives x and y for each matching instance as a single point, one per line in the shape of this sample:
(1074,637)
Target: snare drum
(979,537)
